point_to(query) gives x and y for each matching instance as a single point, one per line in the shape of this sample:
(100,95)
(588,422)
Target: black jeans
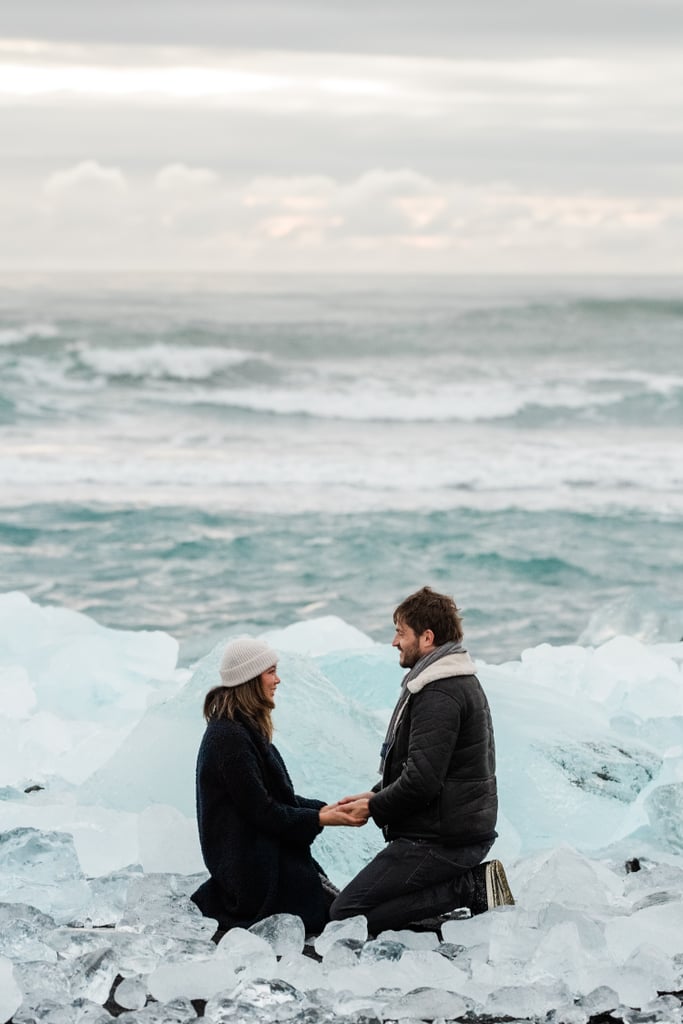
(408,881)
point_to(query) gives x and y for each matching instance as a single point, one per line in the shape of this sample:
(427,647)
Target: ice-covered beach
(183,461)
(98,849)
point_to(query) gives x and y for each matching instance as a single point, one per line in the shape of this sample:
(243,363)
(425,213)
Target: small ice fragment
(240,944)
(342,953)
(350,928)
(284,932)
(131,993)
(91,976)
(599,1000)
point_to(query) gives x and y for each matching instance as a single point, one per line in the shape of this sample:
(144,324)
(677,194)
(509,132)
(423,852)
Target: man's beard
(409,656)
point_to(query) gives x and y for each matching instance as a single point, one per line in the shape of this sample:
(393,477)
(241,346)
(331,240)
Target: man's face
(408,644)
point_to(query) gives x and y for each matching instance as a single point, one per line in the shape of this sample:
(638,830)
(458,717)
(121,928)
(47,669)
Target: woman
(255,832)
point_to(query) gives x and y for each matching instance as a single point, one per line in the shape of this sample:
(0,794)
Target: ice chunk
(131,993)
(527,1001)
(318,636)
(372,676)
(22,933)
(426,1004)
(302,972)
(351,928)
(240,944)
(342,953)
(198,979)
(78,1011)
(643,615)
(162,900)
(660,925)
(640,977)
(10,993)
(168,840)
(49,984)
(410,939)
(664,807)
(270,1000)
(584,883)
(381,949)
(42,869)
(92,975)
(17,696)
(600,1000)
(285,933)
(178,1011)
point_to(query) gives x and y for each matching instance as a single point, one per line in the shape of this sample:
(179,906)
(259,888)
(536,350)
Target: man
(437,801)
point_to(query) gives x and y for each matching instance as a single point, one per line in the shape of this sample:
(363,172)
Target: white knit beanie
(245,659)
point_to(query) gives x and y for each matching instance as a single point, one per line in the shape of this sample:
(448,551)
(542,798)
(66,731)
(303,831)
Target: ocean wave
(163,362)
(467,402)
(27,332)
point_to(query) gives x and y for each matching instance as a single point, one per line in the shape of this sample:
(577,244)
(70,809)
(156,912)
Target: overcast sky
(387,136)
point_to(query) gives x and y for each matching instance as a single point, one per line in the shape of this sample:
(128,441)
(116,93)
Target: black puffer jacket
(255,833)
(439,781)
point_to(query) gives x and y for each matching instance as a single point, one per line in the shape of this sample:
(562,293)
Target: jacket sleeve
(242,774)
(304,801)
(434,728)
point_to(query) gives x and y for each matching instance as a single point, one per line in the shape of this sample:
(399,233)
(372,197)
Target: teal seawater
(205,455)
(521,578)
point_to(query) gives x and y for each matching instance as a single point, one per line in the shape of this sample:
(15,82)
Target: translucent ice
(285,933)
(10,993)
(78,1011)
(351,928)
(42,869)
(92,975)
(178,1011)
(426,1004)
(410,939)
(197,979)
(342,953)
(131,993)
(23,930)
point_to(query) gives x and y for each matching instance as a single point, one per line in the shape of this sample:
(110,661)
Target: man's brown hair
(224,701)
(425,609)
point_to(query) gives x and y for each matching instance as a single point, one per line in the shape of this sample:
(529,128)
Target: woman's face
(269,682)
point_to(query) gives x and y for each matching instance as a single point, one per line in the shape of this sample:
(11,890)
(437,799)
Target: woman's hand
(352,813)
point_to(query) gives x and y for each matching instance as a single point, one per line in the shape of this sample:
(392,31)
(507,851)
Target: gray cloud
(428,28)
(511,135)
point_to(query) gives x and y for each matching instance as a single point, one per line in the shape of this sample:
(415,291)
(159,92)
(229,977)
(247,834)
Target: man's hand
(357,808)
(352,799)
(349,814)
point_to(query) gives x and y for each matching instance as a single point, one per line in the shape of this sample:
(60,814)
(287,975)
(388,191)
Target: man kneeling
(437,800)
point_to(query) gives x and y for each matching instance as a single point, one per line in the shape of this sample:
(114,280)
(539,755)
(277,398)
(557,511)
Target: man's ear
(427,638)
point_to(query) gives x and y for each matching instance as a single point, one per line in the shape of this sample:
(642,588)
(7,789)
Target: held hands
(350,810)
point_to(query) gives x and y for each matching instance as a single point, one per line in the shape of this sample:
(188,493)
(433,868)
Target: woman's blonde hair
(248,699)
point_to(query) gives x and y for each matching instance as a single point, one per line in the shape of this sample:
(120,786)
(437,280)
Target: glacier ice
(97,866)
(10,993)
